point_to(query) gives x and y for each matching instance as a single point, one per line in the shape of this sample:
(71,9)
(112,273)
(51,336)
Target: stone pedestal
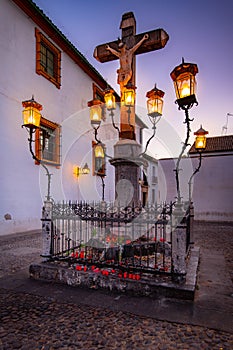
(191,218)
(46,229)
(127,162)
(179,245)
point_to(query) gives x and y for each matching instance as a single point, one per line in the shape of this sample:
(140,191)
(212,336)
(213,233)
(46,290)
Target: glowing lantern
(95,113)
(184,80)
(129,95)
(99,154)
(31,113)
(109,99)
(200,142)
(155,102)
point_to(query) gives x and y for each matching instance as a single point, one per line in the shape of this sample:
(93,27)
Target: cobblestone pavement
(18,251)
(32,321)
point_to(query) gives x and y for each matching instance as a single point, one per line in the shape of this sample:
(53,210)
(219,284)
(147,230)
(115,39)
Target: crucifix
(125,50)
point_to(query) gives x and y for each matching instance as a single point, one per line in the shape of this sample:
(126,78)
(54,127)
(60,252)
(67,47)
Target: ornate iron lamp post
(31,121)
(184,80)
(200,145)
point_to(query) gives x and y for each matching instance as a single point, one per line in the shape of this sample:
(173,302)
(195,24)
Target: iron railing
(134,238)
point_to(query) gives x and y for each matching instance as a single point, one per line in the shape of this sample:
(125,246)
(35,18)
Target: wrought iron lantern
(200,141)
(154,103)
(81,171)
(200,145)
(95,113)
(184,80)
(99,154)
(31,113)
(109,99)
(85,169)
(129,95)
(31,121)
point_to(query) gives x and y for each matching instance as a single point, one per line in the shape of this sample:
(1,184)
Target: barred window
(48,59)
(48,142)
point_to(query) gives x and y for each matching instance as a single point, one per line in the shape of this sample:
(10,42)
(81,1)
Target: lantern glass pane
(99,160)
(200,142)
(185,85)
(95,114)
(109,99)
(155,106)
(31,116)
(129,97)
(99,152)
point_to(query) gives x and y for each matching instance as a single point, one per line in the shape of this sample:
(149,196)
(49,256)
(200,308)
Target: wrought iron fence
(131,238)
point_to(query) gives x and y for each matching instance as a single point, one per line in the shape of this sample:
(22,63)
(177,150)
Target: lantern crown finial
(201,131)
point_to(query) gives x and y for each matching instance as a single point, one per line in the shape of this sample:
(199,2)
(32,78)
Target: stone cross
(125,49)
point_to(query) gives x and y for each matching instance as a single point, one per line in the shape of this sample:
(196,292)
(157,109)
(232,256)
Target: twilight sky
(200,31)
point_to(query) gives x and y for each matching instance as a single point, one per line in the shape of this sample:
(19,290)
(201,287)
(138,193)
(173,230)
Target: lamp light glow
(109,99)
(129,95)
(99,154)
(99,151)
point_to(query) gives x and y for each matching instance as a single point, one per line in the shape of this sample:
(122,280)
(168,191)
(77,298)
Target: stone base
(154,286)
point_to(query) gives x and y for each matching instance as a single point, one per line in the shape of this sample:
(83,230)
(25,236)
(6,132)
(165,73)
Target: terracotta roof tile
(216,144)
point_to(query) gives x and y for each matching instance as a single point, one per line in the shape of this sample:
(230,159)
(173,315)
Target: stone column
(47,230)
(127,163)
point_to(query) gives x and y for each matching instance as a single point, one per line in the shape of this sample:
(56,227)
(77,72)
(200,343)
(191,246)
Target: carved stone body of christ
(125,56)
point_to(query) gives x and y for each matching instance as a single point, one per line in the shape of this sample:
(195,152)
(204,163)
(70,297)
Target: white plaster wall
(212,185)
(213,189)
(22,183)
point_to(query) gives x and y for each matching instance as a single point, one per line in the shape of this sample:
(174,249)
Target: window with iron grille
(48,59)
(48,142)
